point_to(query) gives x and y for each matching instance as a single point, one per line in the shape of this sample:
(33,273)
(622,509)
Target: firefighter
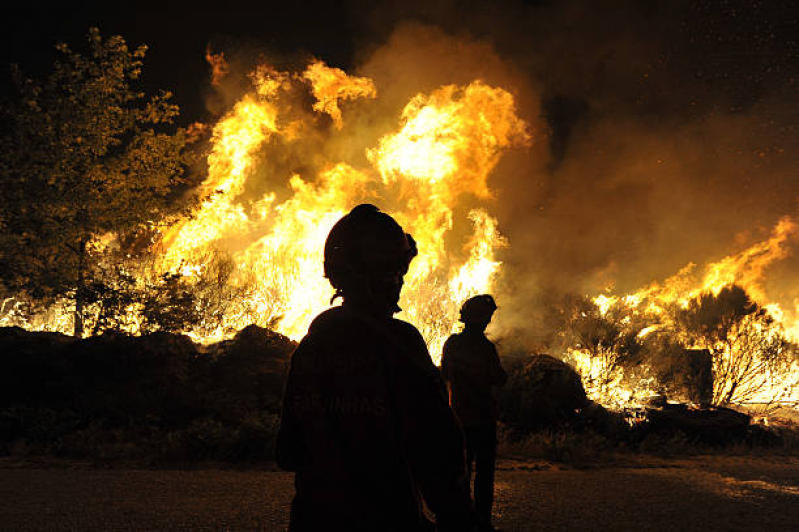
(471,368)
(366,426)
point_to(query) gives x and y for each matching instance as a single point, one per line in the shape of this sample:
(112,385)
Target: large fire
(259,232)
(445,146)
(758,381)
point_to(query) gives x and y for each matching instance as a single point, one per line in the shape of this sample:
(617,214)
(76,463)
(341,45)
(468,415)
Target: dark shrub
(155,396)
(542,392)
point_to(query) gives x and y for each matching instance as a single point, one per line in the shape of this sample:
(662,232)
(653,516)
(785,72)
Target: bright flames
(445,147)
(746,378)
(253,246)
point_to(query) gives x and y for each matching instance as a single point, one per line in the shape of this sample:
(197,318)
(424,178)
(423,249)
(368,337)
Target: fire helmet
(366,244)
(478,309)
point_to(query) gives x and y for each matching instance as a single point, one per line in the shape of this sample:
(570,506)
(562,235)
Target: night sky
(177,35)
(737,48)
(666,130)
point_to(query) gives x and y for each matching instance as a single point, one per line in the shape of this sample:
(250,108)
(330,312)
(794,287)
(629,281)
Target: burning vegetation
(295,150)
(250,256)
(712,338)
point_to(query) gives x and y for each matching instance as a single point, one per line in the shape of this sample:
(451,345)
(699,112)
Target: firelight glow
(444,148)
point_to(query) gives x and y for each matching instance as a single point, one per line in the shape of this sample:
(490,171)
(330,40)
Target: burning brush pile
(297,148)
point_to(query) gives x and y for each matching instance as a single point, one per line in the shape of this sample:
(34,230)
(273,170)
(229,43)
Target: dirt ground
(696,494)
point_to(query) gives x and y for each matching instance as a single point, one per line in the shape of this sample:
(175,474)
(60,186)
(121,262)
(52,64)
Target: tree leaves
(84,153)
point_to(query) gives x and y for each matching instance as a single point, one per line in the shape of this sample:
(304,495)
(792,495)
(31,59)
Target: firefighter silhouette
(366,426)
(471,368)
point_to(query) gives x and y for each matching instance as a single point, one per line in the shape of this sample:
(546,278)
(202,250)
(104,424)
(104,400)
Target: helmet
(366,243)
(478,308)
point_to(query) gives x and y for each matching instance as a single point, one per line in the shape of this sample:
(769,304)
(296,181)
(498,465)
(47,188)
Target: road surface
(694,494)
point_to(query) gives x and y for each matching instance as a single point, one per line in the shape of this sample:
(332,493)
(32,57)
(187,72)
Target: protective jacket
(471,366)
(367,429)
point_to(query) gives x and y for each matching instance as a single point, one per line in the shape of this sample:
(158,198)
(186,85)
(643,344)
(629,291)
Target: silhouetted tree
(610,340)
(83,155)
(748,347)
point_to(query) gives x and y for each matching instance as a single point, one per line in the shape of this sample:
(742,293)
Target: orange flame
(446,146)
(746,269)
(218,64)
(330,85)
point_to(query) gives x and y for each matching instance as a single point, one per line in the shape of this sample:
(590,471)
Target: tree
(609,339)
(84,156)
(749,348)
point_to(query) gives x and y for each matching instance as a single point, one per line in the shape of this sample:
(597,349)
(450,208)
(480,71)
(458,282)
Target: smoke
(664,133)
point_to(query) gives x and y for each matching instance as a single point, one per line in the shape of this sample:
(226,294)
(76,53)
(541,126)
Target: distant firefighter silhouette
(366,426)
(471,367)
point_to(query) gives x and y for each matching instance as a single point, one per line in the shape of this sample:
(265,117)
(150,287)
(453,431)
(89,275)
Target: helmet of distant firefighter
(367,253)
(478,309)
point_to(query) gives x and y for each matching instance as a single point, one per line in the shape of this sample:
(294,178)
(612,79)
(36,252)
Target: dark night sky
(670,126)
(734,47)
(177,34)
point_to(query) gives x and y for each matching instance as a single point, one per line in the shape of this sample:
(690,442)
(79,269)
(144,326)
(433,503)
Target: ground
(706,493)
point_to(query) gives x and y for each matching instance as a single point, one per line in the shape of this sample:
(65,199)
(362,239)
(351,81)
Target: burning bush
(749,347)
(275,180)
(603,346)
(717,348)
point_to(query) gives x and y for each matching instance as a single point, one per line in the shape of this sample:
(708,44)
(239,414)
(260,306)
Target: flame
(746,269)
(451,139)
(218,64)
(235,140)
(444,148)
(287,262)
(329,85)
(608,384)
(431,171)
